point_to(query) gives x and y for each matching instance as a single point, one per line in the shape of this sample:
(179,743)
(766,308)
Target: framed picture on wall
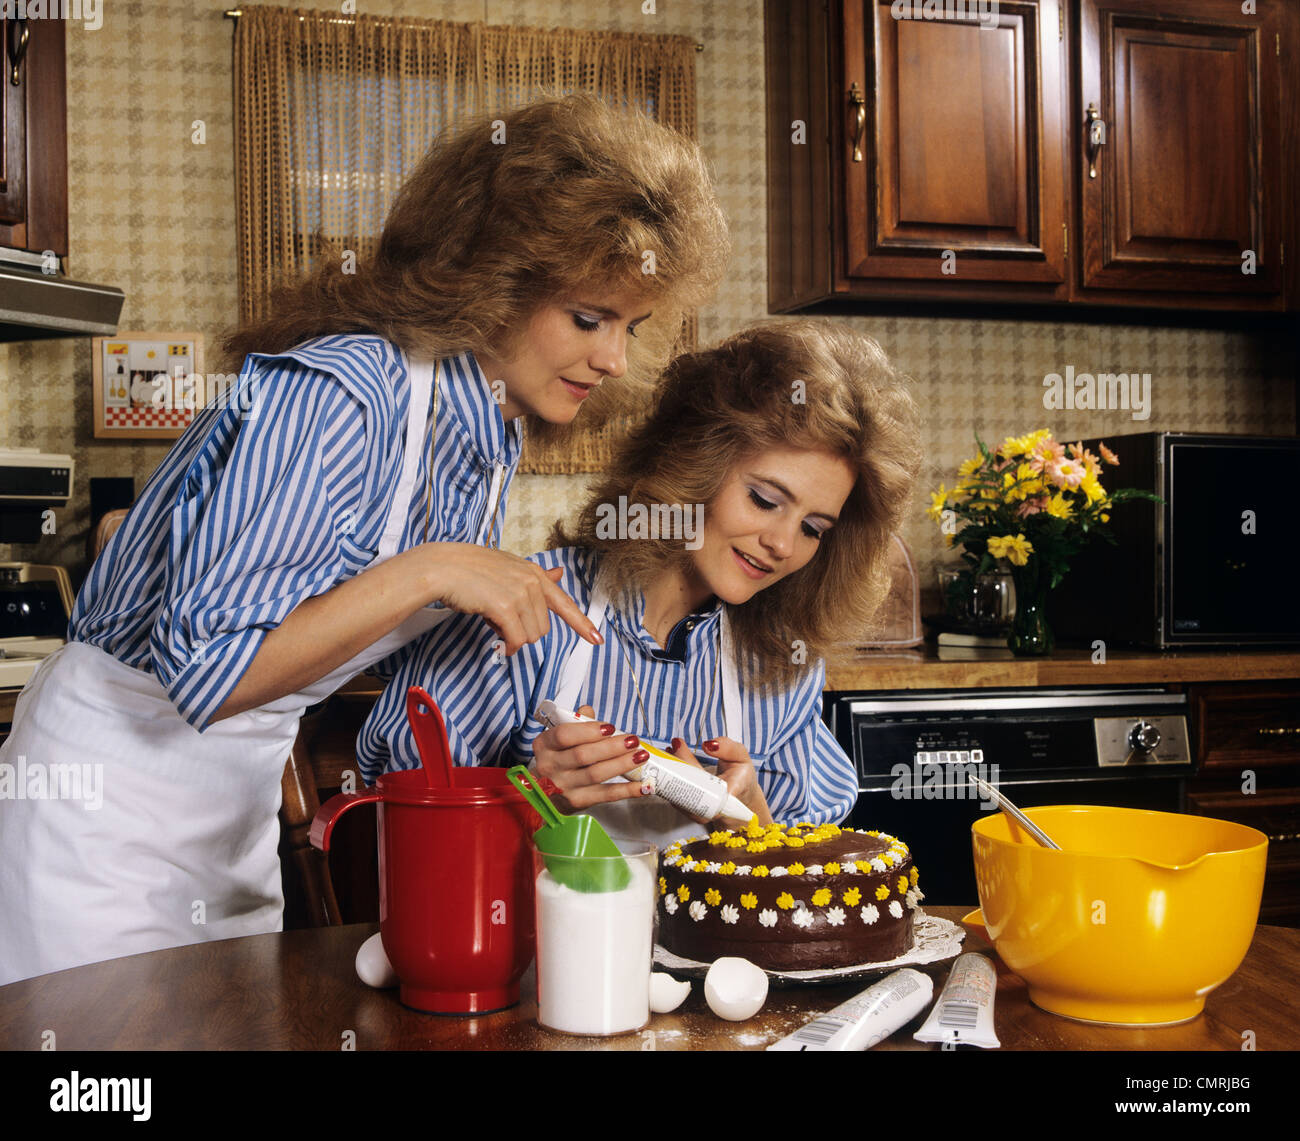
(147,385)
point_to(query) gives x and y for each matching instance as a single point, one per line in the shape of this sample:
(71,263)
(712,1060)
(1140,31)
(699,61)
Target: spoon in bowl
(1011,810)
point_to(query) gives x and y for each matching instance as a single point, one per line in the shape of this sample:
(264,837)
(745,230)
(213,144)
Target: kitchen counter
(849,669)
(298,990)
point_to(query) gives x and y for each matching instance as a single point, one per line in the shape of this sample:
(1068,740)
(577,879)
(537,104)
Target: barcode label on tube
(817,1033)
(959,1014)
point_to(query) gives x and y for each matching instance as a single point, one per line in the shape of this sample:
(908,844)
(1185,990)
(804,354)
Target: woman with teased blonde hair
(348,496)
(800,443)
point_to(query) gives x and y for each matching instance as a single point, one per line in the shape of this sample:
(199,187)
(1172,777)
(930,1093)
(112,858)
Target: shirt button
(690,625)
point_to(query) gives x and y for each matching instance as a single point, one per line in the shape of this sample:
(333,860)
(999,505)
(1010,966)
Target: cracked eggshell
(373,967)
(735,989)
(666,993)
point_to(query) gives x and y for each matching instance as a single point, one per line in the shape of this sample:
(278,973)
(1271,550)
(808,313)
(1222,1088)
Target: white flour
(593,955)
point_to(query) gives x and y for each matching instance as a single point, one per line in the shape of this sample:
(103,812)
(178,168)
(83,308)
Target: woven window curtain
(332,112)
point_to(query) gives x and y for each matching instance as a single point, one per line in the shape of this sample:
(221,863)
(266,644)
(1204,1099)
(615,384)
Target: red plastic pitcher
(455,885)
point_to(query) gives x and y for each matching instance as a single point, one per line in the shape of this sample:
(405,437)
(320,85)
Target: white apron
(652,820)
(184,846)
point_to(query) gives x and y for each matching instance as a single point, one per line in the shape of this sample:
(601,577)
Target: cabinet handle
(16,54)
(1096,137)
(1278,732)
(858,101)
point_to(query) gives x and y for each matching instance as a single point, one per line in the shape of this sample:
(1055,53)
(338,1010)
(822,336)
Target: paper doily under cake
(933,940)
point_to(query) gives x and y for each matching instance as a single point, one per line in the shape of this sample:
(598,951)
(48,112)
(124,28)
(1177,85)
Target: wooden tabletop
(299,991)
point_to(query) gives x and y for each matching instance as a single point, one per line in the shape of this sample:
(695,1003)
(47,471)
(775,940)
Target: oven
(35,605)
(915,753)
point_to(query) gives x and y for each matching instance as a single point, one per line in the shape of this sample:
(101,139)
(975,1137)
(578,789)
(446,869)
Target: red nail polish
(646,790)
(641,756)
(630,742)
(712,746)
(677,743)
(606,730)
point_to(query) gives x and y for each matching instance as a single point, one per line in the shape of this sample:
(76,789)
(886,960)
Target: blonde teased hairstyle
(563,198)
(797,384)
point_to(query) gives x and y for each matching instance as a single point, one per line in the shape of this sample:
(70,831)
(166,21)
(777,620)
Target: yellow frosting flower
(914,874)
(795,869)
(821,897)
(831,869)
(727,869)
(759,870)
(902,885)
(749,901)
(852,897)
(713,897)
(663,886)
(794,841)
(754,828)
(736,842)
(785,901)
(716,838)
(683,893)
(888,858)
(756,846)
(882,892)
(863,866)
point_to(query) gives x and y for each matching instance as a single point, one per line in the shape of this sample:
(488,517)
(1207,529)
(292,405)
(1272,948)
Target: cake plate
(933,940)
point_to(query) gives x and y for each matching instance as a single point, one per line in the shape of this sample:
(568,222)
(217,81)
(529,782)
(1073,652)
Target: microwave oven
(1211,565)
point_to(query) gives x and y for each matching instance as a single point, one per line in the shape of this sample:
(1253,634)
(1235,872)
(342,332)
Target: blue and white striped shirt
(488,700)
(277,494)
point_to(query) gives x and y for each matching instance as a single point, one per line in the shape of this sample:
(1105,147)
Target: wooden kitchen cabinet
(942,159)
(33,142)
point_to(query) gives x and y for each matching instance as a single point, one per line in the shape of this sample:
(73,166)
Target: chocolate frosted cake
(804,898)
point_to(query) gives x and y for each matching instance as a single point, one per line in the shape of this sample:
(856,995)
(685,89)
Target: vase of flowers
(1034,503)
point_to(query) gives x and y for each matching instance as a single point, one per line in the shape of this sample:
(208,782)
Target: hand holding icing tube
(682,785)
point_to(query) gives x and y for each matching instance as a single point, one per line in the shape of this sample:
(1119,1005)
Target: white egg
(666,993)
(373,967)
(735,989)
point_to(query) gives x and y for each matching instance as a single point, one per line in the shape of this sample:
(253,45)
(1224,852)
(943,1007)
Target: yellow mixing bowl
(1134,921)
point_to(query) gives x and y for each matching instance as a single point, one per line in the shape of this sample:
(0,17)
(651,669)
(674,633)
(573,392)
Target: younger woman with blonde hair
(800,443)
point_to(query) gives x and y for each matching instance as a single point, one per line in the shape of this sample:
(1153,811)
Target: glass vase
(1031,636)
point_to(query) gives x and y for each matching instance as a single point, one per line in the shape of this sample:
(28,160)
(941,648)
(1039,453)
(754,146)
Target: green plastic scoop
(577,850)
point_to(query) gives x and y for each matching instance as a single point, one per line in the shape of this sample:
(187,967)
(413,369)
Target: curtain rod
(235,13)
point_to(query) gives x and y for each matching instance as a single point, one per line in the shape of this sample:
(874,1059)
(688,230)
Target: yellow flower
(793,842)
(914,875)
(902,885)
(831,869)
(1091,487)
(1019,445)
(795,869)
(882,892)
(756,846)
(821,897)
(749,901)
(888,857)
(1059,506)
(683,893)
(663,886)
(736,842)
(713,897)
(727,869)
(759,870)
(1017,548)
(937,501)
(852,897)
(785,901)
(754,828)
(863,866)
(716,838)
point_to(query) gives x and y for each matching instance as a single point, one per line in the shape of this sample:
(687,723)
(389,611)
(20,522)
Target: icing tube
(684,786)
(867,1018)
(964,1013)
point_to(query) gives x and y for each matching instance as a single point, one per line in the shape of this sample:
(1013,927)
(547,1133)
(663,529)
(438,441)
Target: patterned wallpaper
(153,213)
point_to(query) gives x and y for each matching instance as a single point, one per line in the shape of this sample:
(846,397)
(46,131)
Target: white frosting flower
(743,869)
(911,900)
(813,870)
(673,861)
(697,910)
(689,866)
(803,918)
(870,914)
(776,872)
(670,904)
(713,868)
(895,909)
(835,916)
(730,913)
(879,865)
(767,918)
